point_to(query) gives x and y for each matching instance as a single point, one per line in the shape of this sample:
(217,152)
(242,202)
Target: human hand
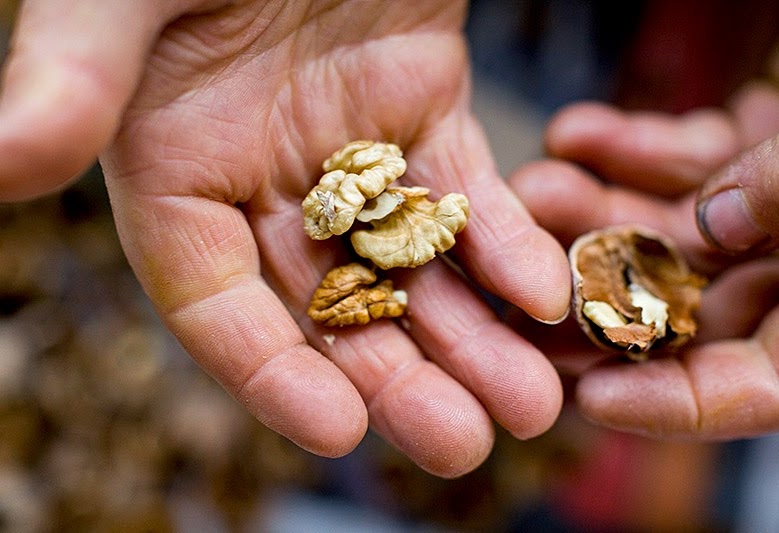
(665,172)
(212,119)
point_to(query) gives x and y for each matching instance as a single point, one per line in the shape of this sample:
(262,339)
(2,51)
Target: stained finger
(737,206)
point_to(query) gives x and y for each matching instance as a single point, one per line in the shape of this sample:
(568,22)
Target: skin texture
(211,120)
(664,171)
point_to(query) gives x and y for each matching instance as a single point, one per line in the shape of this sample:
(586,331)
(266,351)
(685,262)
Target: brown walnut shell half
(633,291)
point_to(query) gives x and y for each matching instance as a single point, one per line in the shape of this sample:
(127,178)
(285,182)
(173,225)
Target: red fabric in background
(695,53)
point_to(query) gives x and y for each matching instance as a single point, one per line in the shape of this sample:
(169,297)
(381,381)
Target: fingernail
(553,321)
(726,222)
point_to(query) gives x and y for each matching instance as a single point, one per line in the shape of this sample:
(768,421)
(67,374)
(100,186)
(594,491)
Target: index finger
(197,260)
(502,247)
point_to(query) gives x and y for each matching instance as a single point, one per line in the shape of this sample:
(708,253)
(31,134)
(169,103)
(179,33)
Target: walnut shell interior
(633,290)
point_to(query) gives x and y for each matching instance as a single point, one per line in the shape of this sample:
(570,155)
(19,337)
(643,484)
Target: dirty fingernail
(726,222)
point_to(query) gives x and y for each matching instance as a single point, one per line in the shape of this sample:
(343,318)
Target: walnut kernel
(359,171)
(415,229)
(346,297)
(406,229)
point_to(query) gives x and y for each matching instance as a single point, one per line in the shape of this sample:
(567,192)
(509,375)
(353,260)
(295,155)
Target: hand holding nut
(231,291)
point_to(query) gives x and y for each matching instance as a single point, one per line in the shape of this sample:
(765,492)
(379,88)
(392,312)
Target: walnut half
(412,229)
(359,171)
(346,297)
(633,291)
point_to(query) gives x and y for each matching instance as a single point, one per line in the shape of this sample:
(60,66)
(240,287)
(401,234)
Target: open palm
(213,128)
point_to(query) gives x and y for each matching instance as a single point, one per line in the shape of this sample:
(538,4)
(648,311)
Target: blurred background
(106,424)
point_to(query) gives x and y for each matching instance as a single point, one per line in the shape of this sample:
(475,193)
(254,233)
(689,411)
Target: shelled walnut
(633,290)
(406,229)
(414,229)
(361,170)
(347,296)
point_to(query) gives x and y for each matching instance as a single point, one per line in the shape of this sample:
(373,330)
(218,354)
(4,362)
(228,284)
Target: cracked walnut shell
(413,228)
(359,171)
(633,290)
(347,297)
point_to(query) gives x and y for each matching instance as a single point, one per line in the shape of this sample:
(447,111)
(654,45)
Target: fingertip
(576,125)
(542,286)
(306,398)
(512,379)
(529,396)
(530,269)
(51,129)
(434,421)
(29,170)
(508,254)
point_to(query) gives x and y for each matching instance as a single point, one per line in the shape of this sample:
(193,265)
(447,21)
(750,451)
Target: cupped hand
(212,119)
(701,179)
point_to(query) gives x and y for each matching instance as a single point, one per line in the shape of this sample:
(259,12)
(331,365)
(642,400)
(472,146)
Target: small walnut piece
(633,291)
(413,230)
(359,171)
(346,297)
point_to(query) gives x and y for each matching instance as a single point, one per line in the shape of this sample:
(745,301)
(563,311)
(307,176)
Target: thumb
(738,208)
(72,68)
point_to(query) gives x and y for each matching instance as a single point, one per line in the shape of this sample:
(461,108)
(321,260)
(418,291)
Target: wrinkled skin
(211,119)
(615,167)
